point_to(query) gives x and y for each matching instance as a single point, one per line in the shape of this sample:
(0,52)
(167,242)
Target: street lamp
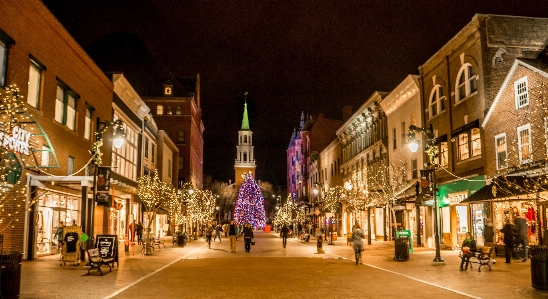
(118,141)
(219,214)
(432,152)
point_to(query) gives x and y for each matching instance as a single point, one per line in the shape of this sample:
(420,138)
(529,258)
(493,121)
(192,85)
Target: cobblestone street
(270,271)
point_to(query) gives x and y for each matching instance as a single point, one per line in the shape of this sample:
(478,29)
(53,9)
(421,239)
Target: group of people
(231,230)
(514,234)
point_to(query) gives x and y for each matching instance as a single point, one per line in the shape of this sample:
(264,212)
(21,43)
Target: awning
(503,188)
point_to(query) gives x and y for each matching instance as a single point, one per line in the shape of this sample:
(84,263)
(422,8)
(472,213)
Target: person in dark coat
(508,231)
(357,236)
(284,233)
(522,229)
(248,235)
(468,248)
(139,230)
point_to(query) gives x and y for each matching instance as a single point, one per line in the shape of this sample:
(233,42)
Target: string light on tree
(250,204)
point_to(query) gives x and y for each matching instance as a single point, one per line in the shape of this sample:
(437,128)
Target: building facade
(245,155)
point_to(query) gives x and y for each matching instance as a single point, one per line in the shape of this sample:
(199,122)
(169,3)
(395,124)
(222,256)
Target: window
(178,111)
(181,163)
(245,156)
(88,123)
(464,152)
(159,110)
(65,106)
(70,165)
(521,92)
(524,144)
(124,159)
(414,170)
(35,83)
(500,146)
(169,110)
(394,138)
(403,137)
(44,161)
(181,137)
(444,154)
(152,147)
(437,101)
(5,40)
(169,165)
(466,82)
(146,147)
(476,142)
(245,138)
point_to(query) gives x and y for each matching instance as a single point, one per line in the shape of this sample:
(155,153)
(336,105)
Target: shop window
(65,106)
(179,110)
(521,92)
(169,110)
(464,151)
(35,83)
(524,144)
(437,101)
(476,142)
(444,154)
(159,110)
(500,145)
(466,82)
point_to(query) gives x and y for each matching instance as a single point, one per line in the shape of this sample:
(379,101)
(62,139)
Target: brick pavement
(269,271)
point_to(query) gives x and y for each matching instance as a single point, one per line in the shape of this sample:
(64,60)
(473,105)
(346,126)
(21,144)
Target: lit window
(464,152)
(159,109)
(88,123)
(500,146)
(35,80)
(444,154)
(181,137)
(178,111)
(524,144)
(476,142)
(521,92)
(466,82)
(65,106)
(437,101)
(44,161)
(169,110)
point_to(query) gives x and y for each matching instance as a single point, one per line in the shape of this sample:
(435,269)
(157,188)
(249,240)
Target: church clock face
(167,91)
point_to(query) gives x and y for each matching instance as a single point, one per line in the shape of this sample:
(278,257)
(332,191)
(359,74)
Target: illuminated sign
(18,141)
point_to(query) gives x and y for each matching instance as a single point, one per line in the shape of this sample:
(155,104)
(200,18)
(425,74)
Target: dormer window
(167,91)
(168,88)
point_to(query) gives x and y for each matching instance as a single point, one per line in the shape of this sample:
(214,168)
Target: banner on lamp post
(427,182)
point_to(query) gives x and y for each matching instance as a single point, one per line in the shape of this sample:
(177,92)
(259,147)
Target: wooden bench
(96,260)
(482,257)
(157,242)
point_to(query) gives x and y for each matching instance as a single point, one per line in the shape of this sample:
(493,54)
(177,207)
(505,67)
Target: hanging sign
(18,141)
(427,181)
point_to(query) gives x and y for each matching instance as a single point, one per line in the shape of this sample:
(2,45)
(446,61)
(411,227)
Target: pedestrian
(209,234)
(218,232)
(59,236)
(508,231)
(225,229)
(521,227)
(489,235)
(248,235)
(139,230)
(232,236)
(467,249)
(299,229)
(357,236)
(284,233)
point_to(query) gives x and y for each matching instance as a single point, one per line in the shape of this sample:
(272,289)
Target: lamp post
(117,141)
(432,152)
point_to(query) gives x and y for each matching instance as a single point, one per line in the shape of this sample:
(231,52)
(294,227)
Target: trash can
(539,266)
(402,248)
(10,274)
(181,240)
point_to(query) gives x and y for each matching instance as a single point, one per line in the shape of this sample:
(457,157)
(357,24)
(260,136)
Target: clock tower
(245,158)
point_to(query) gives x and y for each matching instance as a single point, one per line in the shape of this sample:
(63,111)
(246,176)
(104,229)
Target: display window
(509,211)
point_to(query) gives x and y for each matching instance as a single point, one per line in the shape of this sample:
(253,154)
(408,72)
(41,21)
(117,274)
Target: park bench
(482,257)
(157,242)
(96,260)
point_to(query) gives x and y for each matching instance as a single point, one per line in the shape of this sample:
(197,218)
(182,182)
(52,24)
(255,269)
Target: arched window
(245,156)
(466,82)
(179,110)
(181,137)
(159,110)
(437,101)
(245,139)
(169,110)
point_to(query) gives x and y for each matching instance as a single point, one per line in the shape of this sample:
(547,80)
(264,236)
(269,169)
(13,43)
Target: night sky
(291,56)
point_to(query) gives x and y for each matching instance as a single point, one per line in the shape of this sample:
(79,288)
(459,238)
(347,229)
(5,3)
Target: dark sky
(291,56)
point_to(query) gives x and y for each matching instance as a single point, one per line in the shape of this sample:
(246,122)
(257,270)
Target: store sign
(18,141)
(427,181)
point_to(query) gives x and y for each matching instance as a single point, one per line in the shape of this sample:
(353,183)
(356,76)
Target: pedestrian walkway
(271,271)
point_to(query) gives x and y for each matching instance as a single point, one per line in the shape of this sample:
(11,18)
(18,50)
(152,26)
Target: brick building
(66,95)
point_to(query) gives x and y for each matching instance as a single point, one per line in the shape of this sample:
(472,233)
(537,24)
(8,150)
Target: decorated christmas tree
(250,205)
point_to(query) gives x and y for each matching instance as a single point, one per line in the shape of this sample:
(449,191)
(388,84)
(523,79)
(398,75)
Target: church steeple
(245,157)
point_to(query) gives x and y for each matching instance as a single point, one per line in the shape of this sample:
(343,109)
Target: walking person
(284,233)
(232,236)
(521,227)
(218,232)
(248,235)
(139,230)
(467,249)
(209,234)
(508,231)
(59,236)
(489,235)
(357,236)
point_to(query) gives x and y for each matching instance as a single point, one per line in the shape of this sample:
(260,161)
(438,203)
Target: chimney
(347,112)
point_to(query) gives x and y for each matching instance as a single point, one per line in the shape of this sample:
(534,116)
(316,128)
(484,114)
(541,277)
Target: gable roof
(539,66)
